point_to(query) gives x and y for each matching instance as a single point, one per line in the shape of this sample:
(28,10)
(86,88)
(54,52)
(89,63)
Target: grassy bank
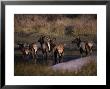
(26,69)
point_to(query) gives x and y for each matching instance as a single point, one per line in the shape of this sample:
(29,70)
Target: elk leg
(43,56)
(81,52)
(33,57)
(60,58)
(86,52)
(35,60)
(36,57)
(46,56)
(55,57)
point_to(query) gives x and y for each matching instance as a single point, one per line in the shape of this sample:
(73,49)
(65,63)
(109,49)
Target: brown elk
(33,51)
(45,46)
(24,50)
(58,53)
(29,50)
(84,46)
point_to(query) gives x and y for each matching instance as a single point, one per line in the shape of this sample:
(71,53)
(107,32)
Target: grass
(82,24)
(27,69)
(89,70)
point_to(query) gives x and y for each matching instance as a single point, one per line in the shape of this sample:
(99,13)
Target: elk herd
(49,47)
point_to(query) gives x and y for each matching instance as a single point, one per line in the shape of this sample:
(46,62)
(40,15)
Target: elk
(24,50)
(58,53)
(84,46)
(45,45)
(33,51)
(29,50)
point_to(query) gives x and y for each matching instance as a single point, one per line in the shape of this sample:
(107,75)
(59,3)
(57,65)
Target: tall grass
(82,24)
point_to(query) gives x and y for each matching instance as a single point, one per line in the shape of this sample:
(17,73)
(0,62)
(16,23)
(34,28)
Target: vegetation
(56,25)
(27,69)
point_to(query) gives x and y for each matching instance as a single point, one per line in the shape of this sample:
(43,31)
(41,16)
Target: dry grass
(26,69)
(82,24)
(89,70)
